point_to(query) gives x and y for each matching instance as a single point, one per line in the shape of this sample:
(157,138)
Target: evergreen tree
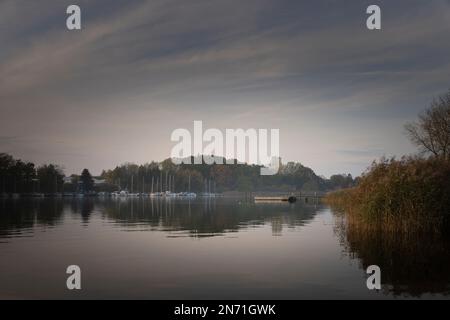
(87,183)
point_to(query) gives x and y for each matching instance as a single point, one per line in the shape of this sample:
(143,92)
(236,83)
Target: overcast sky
(114,91)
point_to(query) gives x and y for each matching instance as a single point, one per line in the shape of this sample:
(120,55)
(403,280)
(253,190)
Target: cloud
(142,67)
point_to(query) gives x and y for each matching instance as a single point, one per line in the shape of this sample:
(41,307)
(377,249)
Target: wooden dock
(289,199)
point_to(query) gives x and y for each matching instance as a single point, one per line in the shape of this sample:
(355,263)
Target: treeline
(219,178)
(17,176)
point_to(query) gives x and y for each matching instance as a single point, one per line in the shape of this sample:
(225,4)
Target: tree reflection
(19,215)
(205,217)
(412,263)
(83,207)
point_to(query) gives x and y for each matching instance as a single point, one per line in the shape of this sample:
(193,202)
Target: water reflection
(18,217)
(412,264)
(203,217)
(82,207)
(178,218)
(246,250)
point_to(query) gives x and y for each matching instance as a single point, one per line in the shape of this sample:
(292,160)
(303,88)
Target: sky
(114,91)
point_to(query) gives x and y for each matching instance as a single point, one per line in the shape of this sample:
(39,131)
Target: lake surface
(204,249)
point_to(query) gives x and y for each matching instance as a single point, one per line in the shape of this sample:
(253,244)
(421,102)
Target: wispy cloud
(138,68)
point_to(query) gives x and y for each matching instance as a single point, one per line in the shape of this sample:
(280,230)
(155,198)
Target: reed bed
(407,195)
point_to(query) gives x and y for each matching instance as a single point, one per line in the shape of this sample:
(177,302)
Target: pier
(306,197)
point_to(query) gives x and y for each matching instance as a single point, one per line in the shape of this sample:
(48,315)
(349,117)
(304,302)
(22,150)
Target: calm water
(203,249)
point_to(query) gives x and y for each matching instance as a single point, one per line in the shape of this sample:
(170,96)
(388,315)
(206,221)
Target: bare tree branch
(432,131)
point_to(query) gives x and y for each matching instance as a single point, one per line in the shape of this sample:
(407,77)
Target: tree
(50,178)
(244,184)
(30,175)
(431,133)
(6,163)
(340,181)
(87,183)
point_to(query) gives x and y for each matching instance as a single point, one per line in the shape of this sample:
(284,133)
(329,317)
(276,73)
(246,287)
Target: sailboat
(131,194)
(155,194)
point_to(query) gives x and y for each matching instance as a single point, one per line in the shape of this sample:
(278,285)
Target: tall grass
(406,195)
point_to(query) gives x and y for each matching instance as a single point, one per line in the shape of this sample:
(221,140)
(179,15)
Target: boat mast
(152,184)
(166,180)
